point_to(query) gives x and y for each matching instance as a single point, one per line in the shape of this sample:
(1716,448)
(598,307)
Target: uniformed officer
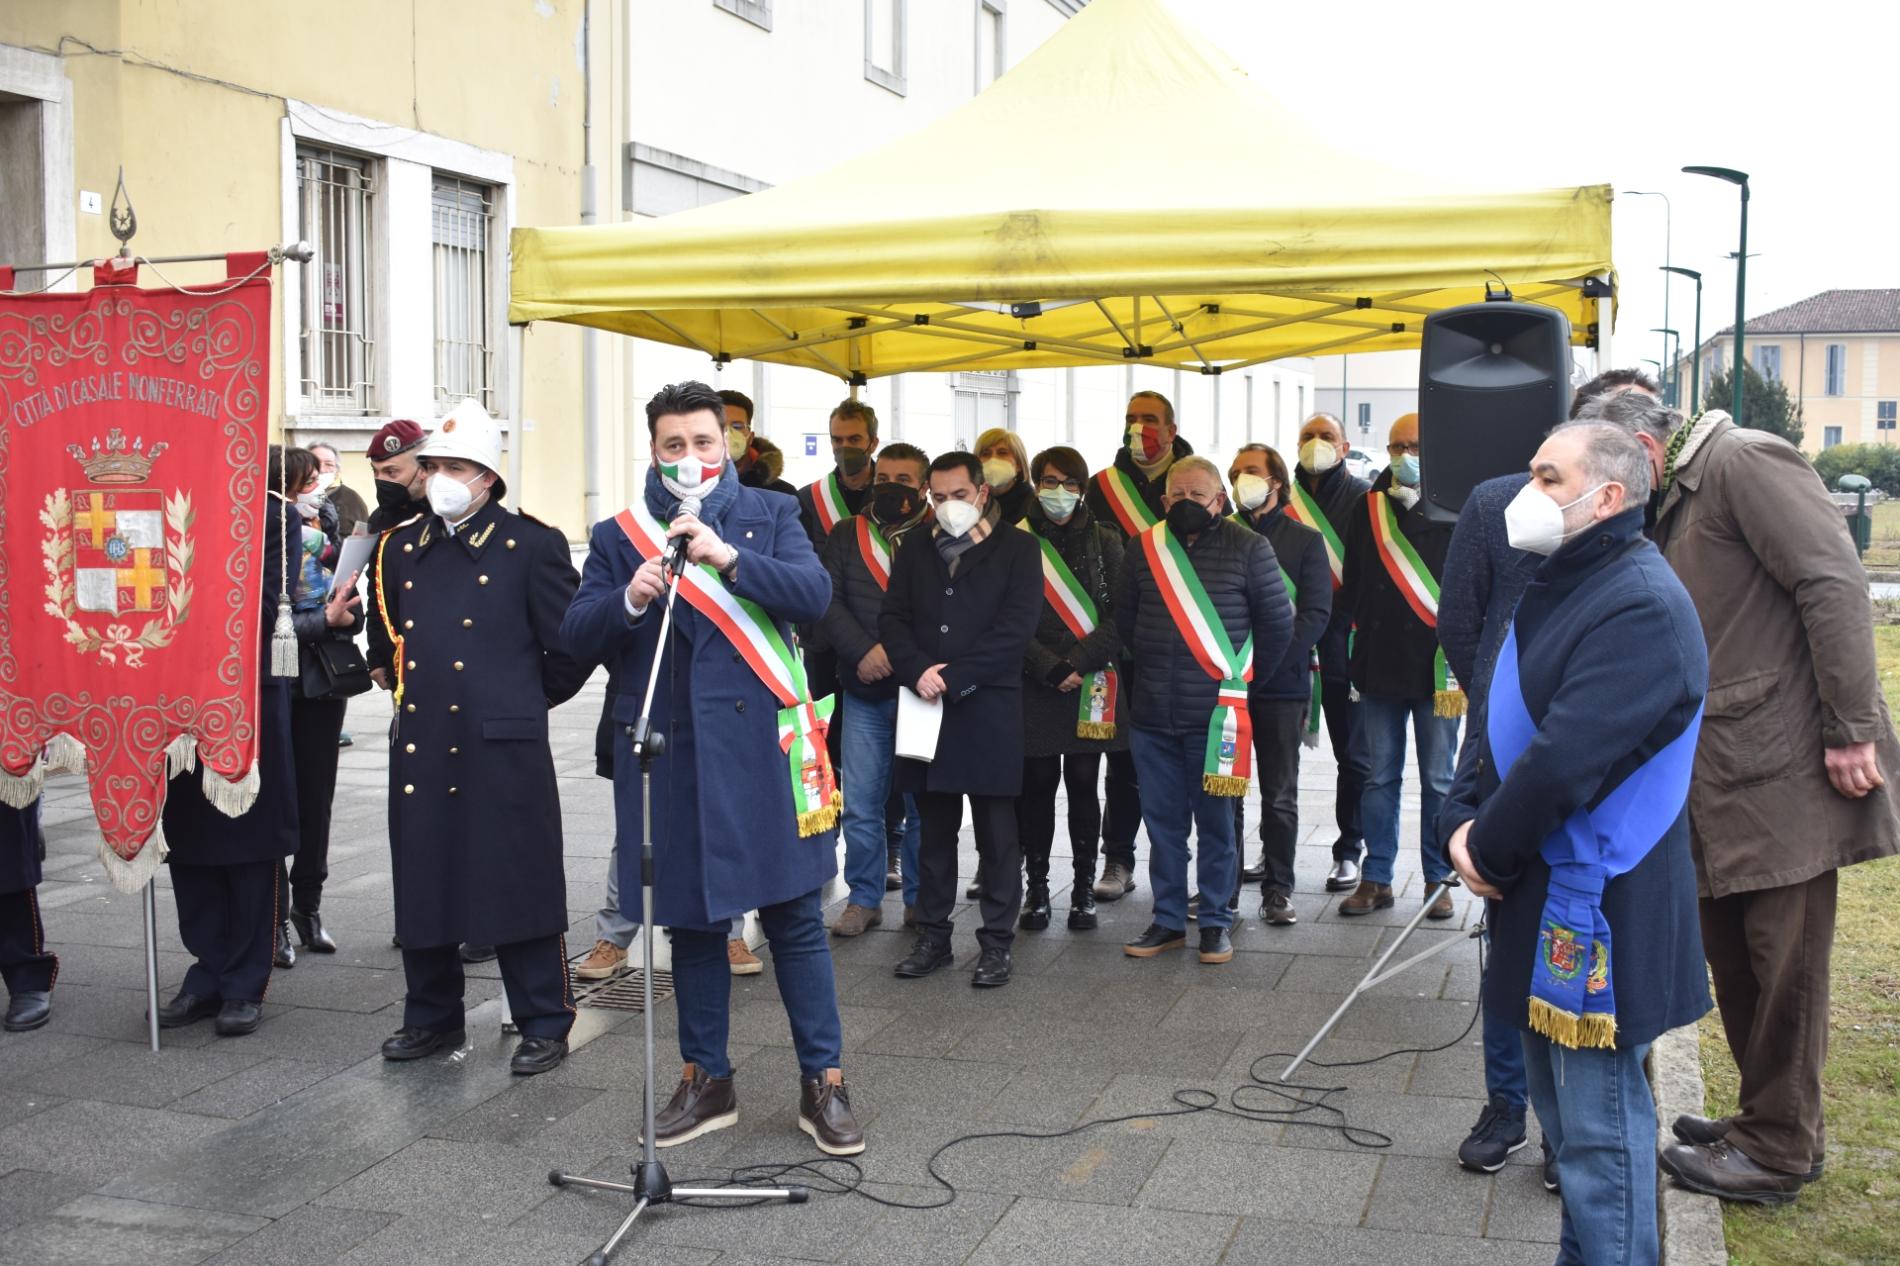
(226,871)
(472,597)
(24,961)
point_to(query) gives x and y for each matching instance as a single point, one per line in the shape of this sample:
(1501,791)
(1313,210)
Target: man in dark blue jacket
(1572,816)
(1484,578)
(1200,603)
(1282,702)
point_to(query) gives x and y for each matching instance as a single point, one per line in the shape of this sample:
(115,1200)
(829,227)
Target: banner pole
(150,903)
(517,426)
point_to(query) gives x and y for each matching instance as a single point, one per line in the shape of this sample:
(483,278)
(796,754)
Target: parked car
(1360,465)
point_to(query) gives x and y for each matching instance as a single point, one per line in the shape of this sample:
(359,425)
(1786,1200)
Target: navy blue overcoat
(21,848)
(725,835)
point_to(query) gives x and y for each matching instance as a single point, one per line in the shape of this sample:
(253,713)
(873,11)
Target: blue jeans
(905,831)
(801,959)
(1597,1113)
(1169,767)
(870,736)
(1503,1055)
(1383,720)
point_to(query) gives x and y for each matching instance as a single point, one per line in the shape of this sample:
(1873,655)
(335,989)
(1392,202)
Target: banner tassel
(131,876)
(232,799)
(20,790)
(181,756)
(283,641)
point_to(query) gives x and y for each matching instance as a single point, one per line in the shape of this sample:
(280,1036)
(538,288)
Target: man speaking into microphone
(732,696)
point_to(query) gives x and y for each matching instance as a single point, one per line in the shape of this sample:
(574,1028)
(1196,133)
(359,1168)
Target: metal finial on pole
(124,220)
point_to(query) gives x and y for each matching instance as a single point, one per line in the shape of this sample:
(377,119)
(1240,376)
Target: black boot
(310,931)
(1082,905)
(283,957)
(1036,912)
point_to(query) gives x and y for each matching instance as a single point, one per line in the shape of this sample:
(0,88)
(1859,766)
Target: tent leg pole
(150,902)
(1606,314)
(518,338)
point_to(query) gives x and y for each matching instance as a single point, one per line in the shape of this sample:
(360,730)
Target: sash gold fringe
(816,821)
(1223,785)
(1448,703)
(1095,729)
(1578,1032)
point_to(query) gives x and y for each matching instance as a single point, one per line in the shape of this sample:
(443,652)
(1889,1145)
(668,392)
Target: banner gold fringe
(131,877)
(17,791)
(65,755)
(1095,729)
(1448,703)
(1223,785)
(1585,1032)
(232,799)
(817,821)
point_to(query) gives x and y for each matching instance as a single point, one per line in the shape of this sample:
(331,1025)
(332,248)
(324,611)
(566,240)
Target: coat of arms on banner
(115,548)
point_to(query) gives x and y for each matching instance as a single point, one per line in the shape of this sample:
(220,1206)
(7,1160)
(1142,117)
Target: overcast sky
(1802,97)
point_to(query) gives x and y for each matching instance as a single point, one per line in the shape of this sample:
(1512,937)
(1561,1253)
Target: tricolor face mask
(689,476)
(1144,443)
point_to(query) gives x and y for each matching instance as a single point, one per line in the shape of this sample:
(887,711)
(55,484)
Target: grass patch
(1852,1215)
(1883,549)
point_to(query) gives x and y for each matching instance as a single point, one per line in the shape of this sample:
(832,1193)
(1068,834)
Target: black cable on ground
(841,1176)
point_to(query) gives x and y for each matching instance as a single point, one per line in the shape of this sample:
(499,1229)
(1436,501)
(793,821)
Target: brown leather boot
(1366,898)
(824,1112)
(700,1105)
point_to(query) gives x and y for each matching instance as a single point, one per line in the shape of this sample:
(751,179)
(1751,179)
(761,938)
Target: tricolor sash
(1573,997)
(1123,498)
(1069,599)
(874,550)
(1419,588)
(1303,509)
(1229,762)
(774,656)
(827,499)
(1309,733)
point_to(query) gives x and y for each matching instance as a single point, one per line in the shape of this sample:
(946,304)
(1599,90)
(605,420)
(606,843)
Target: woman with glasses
(1071,692)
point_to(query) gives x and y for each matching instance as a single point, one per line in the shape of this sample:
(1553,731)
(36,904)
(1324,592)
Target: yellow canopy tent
(1126,193)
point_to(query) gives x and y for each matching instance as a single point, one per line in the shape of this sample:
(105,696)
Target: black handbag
(333,668)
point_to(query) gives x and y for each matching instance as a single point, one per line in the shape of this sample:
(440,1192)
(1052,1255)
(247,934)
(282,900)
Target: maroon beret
(398,436)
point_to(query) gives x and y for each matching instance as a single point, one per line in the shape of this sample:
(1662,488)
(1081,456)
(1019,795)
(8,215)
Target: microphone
(676,551)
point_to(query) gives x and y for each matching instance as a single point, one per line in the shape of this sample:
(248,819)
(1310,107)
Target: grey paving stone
(447,1177)
(1520,1207)
(1318,973)
(1267,1053)
(1418,1125)
(322,982)
(1057,1234)
(109,1011)
(26,1194)
(1228,1006)
(22,1054)
(1150,1101)
(122,1073)
(310,1236)
(1189,1053)
(19,1106)
(1239,1178)
(94,1229)
(515,1118)
(1432,1195)
(260,1086)
(934,1237)
(468,1241)
(1099,1166)
(1268,1242)
(1049,1098)
(96,1141)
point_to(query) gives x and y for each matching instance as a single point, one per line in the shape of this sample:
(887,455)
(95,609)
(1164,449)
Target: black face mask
(1189,518)
(391,495)
(892,504)
(851,459)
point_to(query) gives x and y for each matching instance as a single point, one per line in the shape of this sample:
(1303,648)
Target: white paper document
(352,556)
(918,723)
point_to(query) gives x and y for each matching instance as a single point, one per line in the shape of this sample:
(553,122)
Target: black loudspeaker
(1493,380)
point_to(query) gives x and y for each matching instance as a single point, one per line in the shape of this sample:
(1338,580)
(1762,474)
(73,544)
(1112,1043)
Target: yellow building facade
(402,140)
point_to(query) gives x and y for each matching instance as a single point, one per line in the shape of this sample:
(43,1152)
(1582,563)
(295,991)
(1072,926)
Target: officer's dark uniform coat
(474,810)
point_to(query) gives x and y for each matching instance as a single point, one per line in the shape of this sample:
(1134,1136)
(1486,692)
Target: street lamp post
(1672,393)
(1695,357)
(1740,179)
(1668,234)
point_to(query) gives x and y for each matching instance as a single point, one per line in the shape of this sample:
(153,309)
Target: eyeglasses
(1402,450)
(1049,483)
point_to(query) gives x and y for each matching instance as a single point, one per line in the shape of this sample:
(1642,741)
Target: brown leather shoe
(1442,908)
(740,959)
(699,1105)
(1366,898)
(824,1112)
(1694,1129)
(1723,1170)
(857,920)
(607,961)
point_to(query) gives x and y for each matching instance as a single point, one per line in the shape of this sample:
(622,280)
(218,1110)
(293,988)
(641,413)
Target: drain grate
(623,993)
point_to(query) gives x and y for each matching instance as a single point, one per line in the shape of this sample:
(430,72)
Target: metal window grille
(1837,369)
(335,195)
(462,215)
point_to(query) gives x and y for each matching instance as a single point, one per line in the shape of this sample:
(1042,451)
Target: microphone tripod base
(651,1186)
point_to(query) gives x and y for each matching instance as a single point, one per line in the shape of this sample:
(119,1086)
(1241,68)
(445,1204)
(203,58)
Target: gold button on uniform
(468,624)
(511,542)
(455,751)
(410,584)
(410,707)
(451,791)
(409,624)
(481,580)
(412,665)
(458,665)
(408,548)
(453,707)
(408,789)
(409,748)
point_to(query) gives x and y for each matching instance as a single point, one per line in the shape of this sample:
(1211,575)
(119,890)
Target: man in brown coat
(1791,777)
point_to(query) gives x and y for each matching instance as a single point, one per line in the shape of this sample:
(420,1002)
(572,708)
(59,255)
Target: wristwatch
(732,562)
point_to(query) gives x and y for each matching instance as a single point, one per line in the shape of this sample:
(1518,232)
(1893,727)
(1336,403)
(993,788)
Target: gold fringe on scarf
(1578,1032)
(1223,785)
(815,821)
(1095,729)
(1448,703)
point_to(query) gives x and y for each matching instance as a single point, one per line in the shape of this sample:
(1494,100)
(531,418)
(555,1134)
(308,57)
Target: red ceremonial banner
(132,441)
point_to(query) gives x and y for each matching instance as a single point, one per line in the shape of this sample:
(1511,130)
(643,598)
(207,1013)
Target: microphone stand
(651,1185)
